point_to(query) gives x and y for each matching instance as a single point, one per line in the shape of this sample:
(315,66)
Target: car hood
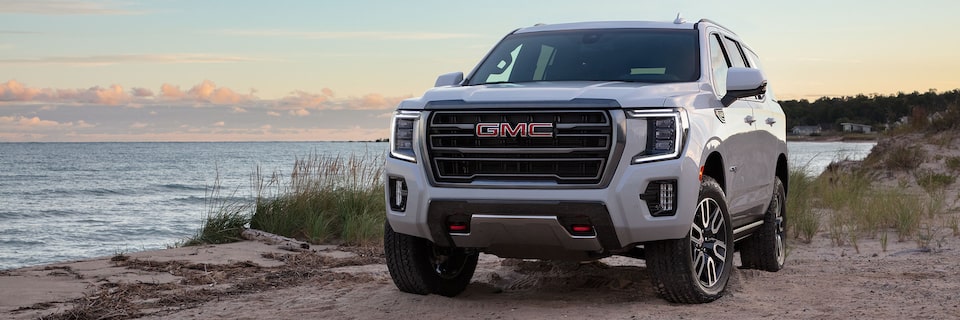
(626,94)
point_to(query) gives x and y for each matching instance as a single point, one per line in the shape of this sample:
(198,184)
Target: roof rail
(697,25)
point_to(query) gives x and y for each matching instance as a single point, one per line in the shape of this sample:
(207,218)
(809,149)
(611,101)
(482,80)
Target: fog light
(398,193)
(661,197)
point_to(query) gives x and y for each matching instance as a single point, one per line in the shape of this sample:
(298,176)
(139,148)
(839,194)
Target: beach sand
(253,280)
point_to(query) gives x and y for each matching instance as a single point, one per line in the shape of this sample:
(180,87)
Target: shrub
(803,221)
(953,163)
(225,219)
(901,157)
(324,200)
(932,181)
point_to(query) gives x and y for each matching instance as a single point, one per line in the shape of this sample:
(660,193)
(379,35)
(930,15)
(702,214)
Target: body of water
(814,157)
(69,201)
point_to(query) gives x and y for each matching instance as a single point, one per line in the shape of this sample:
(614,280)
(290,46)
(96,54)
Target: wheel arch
(783,172)
(713,167)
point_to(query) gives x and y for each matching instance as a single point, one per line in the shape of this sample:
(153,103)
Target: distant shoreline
(835,138)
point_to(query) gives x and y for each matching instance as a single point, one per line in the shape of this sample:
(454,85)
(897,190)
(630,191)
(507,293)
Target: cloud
(305,99)
(84,125)
(324,101)
(171,91)
(24,122)
(375,101)
(171,113)
(15,91)
(209,92)
(65,7)
(365,35)
(105,60)
(142,92)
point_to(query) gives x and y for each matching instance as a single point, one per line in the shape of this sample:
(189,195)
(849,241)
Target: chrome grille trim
(583,153)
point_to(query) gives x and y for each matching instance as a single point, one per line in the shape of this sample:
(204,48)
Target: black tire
(765,249)
(420,267)
(680,267)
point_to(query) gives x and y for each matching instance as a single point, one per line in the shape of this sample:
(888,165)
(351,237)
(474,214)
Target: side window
(719,64)
(753,59)
(755,63)
(733,52)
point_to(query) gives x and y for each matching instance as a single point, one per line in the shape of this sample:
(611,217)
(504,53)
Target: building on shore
(807,130)
(855,127)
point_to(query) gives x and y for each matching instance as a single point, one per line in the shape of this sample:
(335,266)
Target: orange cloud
(300,112)
(170,91)
(28,122)
(305,99)
(208,91)
(16,91)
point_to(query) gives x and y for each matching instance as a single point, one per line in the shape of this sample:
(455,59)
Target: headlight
(401,135)
(665,132)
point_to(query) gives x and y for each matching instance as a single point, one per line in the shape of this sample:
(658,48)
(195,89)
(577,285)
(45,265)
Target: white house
(855,127)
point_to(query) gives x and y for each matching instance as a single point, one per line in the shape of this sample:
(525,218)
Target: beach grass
(225,218)
(803,220)
(323,200)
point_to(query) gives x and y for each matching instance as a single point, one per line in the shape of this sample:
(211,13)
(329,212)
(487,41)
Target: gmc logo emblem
(521,130)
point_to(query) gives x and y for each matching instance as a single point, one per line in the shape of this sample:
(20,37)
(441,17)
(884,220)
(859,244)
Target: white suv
(579,141)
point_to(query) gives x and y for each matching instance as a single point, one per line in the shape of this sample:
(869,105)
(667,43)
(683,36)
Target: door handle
(749,120)
(771,121)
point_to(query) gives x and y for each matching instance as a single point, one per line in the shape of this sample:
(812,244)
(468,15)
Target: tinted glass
(733,52)
(719,64)
(641,55)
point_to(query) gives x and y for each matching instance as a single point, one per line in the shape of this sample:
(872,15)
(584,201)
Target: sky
(209,70)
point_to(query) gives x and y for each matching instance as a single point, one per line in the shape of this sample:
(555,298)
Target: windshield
(641,55)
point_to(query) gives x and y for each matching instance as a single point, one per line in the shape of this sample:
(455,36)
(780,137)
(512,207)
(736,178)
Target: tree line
(875,109)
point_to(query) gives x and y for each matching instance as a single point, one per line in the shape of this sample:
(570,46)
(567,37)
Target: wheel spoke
(696,235)
(711,272)
(780,250)
(699,263)
(704,214)
(716,221)
(720,250)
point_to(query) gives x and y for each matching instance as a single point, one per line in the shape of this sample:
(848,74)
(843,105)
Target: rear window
(634,55)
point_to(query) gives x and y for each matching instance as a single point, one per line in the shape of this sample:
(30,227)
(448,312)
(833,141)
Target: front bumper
(530,222)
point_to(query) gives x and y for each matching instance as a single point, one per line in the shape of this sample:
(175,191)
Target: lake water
(69,201)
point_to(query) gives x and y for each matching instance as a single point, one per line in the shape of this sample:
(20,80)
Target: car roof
(608,25)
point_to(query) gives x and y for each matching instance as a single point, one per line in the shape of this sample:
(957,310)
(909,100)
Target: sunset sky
(172,70)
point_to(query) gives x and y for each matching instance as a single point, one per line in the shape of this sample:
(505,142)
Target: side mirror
(449,79)
(743,82)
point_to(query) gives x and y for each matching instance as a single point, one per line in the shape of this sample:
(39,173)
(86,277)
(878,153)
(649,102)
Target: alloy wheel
(708,241)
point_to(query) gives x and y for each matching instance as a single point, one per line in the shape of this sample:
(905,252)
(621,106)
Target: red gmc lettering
(523,130)
(488,129)
(546,132)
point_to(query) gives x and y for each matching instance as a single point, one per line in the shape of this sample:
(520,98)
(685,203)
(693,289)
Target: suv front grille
(576,153)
